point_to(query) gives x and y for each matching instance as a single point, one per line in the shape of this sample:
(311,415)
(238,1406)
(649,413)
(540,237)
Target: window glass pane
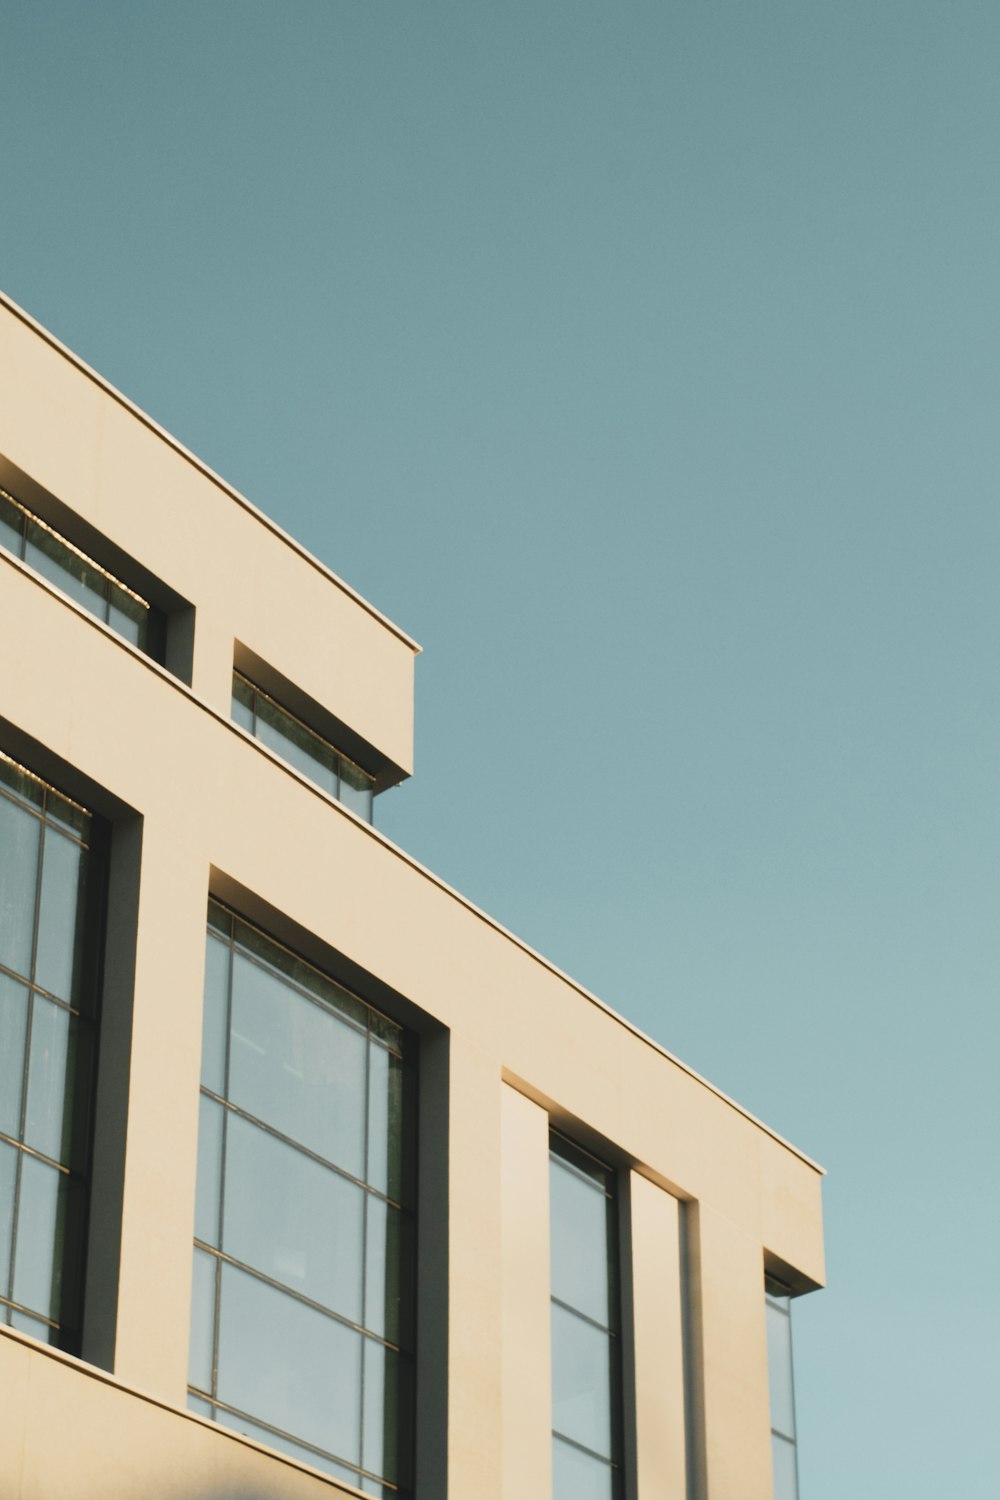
(77,578)
(68,814)
(385,1122)
(388,1259)
(386,1444)
(262,1434)
(200,1407)
(206,1212)
(47,1257)
(202,1321)
(44,1332)
(293,1219)
(281,959)
(281,1361)
(297,1067)
(581,1381)
(779,1360)
(215,1019)
(11,525)
(580,1215)
(13,1019)
(127,615)
(58,1083)
(243,703)
(783,1461)
(8,1174)
(356,790)
(283,734)
(19,835)
(577,1476)
(57,959)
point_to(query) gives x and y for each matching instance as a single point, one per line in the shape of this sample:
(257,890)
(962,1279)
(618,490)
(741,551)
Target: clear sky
(641,360)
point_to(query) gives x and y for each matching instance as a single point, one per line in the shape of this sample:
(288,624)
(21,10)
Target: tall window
(307,751)
(49,930)
(779,1361)
(586,1358)
(77,575)
(302,1316)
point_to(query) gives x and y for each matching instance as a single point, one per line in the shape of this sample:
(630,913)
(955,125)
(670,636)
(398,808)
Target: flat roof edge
(74,359)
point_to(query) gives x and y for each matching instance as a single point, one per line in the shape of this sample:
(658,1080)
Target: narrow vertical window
(779,1363)
(50,895)
(586,1324)
(302,1314)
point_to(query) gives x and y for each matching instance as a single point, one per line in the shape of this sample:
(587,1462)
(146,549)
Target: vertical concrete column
(525,1292)
(161,1144)
(733,1416)
(474,1270)
(212,661)
(658,1343)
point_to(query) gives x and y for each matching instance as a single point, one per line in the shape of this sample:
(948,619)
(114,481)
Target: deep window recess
(307,751)
(51,892)
(302,1310)
(779,1363)
(586,1326)
(78,576)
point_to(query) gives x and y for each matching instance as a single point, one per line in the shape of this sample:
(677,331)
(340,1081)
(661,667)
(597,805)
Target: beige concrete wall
(524,1044)
(87,447)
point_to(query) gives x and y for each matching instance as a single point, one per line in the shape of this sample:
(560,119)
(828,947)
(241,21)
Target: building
(313,1179)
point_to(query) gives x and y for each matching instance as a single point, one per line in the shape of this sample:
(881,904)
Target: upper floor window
(779,1364)
(302,1314)
(78,576)
(307,751)
(50,907)
(586,1327)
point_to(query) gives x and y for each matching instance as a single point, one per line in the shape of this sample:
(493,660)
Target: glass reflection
(579,1476)
(581,1381)
(294,1220)
(289,1365)
(13,1021)
(57,957)
(297,1067)
(579,1243)
(20,832)
(312,1253)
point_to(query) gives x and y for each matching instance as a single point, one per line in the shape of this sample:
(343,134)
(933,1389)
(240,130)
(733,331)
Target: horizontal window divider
(326,1006)
(289,1438)
(9,1140)
(321,1161)
(584,1317)
(281,1286)
(36,989)
(38,1317)
(581,1448)
(581,1175)
(49,821)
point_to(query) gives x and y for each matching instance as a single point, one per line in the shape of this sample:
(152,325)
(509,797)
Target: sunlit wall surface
(48,1021)
(302,1317)
(586,1362)
(779,1360)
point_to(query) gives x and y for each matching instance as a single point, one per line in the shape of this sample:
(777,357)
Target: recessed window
(51,892)
(779,1363)
(264,718)
(586,1326)
(302,1313)
(79,577)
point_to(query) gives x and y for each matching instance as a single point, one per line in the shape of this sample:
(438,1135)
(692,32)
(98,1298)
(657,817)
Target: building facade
(313,1179)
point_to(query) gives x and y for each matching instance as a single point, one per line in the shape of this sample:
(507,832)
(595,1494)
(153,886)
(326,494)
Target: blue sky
(642,362)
